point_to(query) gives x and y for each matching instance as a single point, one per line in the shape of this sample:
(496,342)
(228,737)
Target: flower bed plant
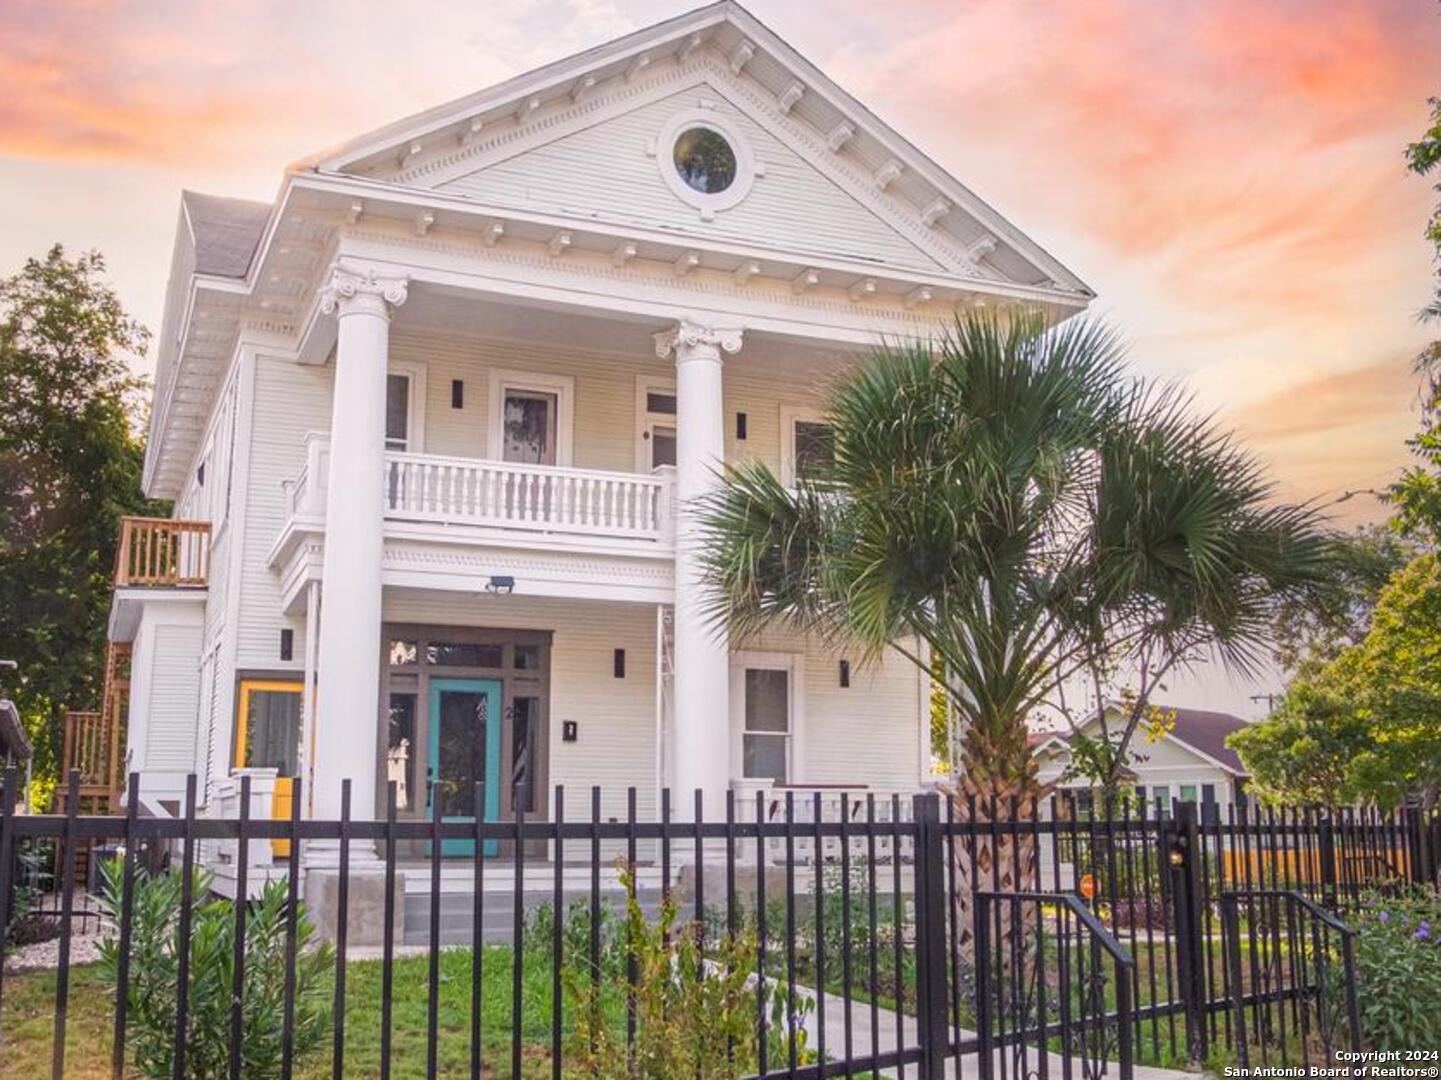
(1398,970)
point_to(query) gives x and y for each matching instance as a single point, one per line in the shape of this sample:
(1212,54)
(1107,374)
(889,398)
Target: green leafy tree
(1337,613)
(70,460)
(1366,725)
(1302,753)
(1008,497)
(1417,495)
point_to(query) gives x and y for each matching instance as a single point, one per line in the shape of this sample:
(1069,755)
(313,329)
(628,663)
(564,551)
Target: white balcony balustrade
(428,489)
(540,498)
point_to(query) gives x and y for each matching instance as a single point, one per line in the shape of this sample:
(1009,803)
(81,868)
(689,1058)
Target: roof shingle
(226,231)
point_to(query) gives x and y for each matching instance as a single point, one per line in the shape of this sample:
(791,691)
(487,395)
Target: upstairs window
(405,408)
(397,412)
(815,448)
(531,417)
(808,445)
(529,427)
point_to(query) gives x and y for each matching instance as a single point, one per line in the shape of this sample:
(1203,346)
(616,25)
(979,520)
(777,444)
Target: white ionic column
(348,695)
(702,675)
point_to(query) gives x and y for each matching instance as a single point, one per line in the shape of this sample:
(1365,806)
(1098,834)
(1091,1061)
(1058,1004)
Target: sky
(1228,175)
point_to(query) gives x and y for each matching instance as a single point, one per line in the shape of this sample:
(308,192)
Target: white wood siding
(605,389)
(866,733)
(290,400)
(794,207)
(174,704)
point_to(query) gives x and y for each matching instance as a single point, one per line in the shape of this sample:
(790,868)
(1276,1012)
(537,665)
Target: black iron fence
(794,937)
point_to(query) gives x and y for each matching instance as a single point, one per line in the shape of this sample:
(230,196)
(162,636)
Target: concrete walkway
(1015,1067)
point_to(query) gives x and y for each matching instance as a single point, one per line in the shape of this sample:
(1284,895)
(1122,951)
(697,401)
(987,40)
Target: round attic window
(704,160)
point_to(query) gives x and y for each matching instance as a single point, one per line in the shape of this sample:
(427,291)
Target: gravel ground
(85,937)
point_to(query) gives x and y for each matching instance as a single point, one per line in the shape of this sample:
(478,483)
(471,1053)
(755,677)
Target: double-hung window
(808,445)
(766,706)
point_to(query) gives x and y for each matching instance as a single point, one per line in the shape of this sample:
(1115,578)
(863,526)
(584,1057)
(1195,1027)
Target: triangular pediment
(612,171)
(581,137)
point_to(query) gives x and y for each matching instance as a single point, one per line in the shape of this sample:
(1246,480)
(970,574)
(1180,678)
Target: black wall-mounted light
(845,673)
(287,643)
(503,584)
(740,426)
(457,394)
(618,663)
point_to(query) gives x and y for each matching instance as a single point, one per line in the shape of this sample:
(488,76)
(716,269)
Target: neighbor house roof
(226,231)
(1206,731)
(1202,730)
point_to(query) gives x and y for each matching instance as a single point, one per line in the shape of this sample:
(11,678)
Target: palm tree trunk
(994,850)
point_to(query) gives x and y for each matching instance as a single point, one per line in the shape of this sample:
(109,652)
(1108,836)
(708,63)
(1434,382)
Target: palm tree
(1006,502)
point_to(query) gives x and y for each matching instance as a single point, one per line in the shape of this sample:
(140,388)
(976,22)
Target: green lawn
(30,1001)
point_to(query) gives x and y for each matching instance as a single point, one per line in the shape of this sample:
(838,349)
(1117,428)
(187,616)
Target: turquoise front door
(465,750)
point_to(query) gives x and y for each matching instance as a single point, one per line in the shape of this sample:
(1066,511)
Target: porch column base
(365,906)
(324,855)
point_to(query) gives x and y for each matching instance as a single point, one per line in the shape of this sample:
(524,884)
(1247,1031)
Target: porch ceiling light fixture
(502,584)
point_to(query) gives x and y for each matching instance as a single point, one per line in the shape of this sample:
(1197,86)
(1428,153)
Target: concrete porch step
(498,912)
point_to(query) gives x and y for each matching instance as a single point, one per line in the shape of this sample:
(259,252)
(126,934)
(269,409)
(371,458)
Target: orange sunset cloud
(1227,175)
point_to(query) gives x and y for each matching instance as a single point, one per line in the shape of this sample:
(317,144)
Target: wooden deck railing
(163,552)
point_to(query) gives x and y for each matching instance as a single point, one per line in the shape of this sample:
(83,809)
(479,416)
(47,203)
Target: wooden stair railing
(95,741)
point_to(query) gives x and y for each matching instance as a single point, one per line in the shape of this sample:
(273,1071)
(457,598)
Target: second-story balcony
(160,560)
(501,495)
(163,553)
(528,498)
(490,505)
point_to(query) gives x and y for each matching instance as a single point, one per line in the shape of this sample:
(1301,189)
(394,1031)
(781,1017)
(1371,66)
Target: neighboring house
(1191,762)
(433,422)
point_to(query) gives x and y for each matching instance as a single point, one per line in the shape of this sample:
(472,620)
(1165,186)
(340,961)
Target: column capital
(355,288)
(690,339)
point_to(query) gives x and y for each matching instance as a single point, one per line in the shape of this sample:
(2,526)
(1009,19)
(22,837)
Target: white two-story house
(434,420)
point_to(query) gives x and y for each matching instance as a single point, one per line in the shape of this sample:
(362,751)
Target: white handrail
(541,498)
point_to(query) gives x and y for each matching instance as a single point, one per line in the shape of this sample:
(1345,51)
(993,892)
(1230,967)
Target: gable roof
(1206,731)
(225,231)
(835,126)
(1202,730)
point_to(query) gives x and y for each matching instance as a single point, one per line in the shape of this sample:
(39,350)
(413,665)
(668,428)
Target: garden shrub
(154,960)
(33,880)
(1398,970)
(538,936)
(695,1006)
